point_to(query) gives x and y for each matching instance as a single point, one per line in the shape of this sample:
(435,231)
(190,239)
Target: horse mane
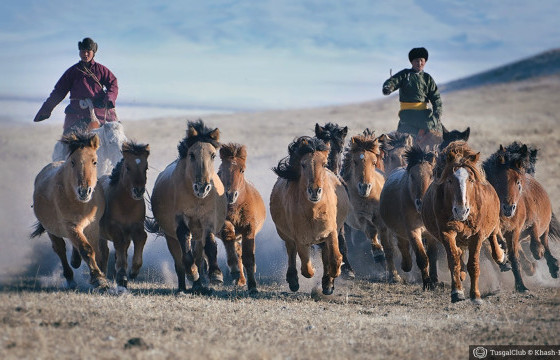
(79,140)
(197,131)
(331,132)
(288,167)
(233,150)
(365,142)
(458,154)
(394,140)
(132,148)
(516,156)
(415,156)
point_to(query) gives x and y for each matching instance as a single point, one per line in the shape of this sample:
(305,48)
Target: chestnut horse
(189,200)
(400,206)
(461,209)
(308,205)
(68,203)
(125,210)
(364,184)
(525,209)
(245,215)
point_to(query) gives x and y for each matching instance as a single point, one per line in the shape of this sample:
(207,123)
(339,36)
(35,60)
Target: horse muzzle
(508,210)
(84,193)
(364,189)
(314,195)
(201,190)
(138,193)
(232,196)
(461,213)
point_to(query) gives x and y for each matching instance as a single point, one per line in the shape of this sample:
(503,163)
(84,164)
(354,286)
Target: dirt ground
(366,318)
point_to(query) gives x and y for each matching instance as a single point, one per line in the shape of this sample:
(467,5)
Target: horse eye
(73,163)
(191,156)
(303,166)
(242,171)
(213,156)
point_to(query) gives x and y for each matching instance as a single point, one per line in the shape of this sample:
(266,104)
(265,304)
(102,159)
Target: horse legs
(432,250)
(176,252)
(537,247)
(376,248)
(307,269)
(551,261)
(421,258)
(332,260)
(347,271)
(234,261)
(512,239)
(75,259)
(59,248)
(527,264)
(102,256)
(404,247)
(139,237)
(454,264)
(97,278)
(291,274)
(211,251)
(394,276)
(473,267)
(121,260)
(248,255)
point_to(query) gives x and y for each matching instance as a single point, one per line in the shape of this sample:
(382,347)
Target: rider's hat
(418,53)
(87,44)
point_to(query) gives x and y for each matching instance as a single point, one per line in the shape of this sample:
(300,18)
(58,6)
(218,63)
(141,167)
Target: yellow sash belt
(414,106)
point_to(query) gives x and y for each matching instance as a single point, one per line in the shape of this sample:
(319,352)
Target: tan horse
(245,216)
(68,202)
(364,185)
(308,205)
(125,210)
(189,200)
(400,206)
(461,209)
(525,209)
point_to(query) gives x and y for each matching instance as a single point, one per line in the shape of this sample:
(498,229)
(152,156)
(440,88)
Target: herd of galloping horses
(388,188)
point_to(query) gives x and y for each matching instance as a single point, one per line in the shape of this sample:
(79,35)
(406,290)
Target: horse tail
(39,229)
(151,225)
(554,228)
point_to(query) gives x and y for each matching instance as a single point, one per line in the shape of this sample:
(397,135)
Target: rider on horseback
(416,89)
(86,80)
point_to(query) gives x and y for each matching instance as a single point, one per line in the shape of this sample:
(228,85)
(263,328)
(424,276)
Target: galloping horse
(453,135)
(441,140)
(461,209)
(189,200)
(364,184)
(525,206)
(68,202)
(334,136)
(400,206)
(308,205)
(245,215)
(394,145)
(125,210)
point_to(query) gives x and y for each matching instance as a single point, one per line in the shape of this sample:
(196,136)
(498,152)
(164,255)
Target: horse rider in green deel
(416,89)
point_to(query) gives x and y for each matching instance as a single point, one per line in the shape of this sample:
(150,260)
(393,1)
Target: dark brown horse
(461,209)
(525,209)
(245,215)
(68,202)
(400,208)
(308,205)
(125,210)
(441,140)
(189,200)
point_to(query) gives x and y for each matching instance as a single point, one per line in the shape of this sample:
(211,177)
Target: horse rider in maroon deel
(90,85)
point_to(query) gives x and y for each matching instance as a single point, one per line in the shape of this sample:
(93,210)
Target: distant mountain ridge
(546,63)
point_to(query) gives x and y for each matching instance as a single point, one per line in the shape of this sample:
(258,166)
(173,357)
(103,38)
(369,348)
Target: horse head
(232,169)
(131,170)
(393,147)
(360,162)
(453,135)
(199,149)
(334,135)
(80,167)
(420,167)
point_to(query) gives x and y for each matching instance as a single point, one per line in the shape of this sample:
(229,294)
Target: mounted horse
(400,206)
(245,215)
(69,202)
(308,205)
(189,200)
(525,209)
(364,185)
(461,209)
(125,210)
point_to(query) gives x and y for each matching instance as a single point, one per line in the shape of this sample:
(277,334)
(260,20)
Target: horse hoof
(71,285)
(505,266)
(294,285)
(328,290)
(457,296)
(199,289)
(395,279)
(347,274)
(123,282)
(253,291)
(428,285)
(477,301)
(216,277)
(521,288)
(132,275)
(235,275)
(406,266)
(100,283)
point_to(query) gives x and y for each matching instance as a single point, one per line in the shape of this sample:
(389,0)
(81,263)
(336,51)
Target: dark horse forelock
(458,154)
(332,133)
(515,156)
(79,140)
(288,168)
(395,140)
(415,156)
(135,149)
(202,133)
(232,151)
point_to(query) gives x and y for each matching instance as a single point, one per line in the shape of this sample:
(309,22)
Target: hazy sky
(266,53)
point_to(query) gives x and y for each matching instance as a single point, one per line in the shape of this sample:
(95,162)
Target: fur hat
(87,44)
(418,53)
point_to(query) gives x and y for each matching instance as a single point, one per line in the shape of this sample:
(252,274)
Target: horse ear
(467,133)
(243,152)
(191,132)
(318,130)
(524,149)
(518,163)
(215,134)
(147,149)
(409,140)
(95,142)
(344,131)
(445,131)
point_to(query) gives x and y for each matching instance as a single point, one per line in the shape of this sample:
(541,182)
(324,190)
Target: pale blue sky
(264,54)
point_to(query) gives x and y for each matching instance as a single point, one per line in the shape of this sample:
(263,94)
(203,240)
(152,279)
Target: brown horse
(394,146)
(461,209)
(308,205)
(364,185)
(525,209)
(68,202)
(400,208)
(189,200)
(432,139)
(245,215)
(125,210)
